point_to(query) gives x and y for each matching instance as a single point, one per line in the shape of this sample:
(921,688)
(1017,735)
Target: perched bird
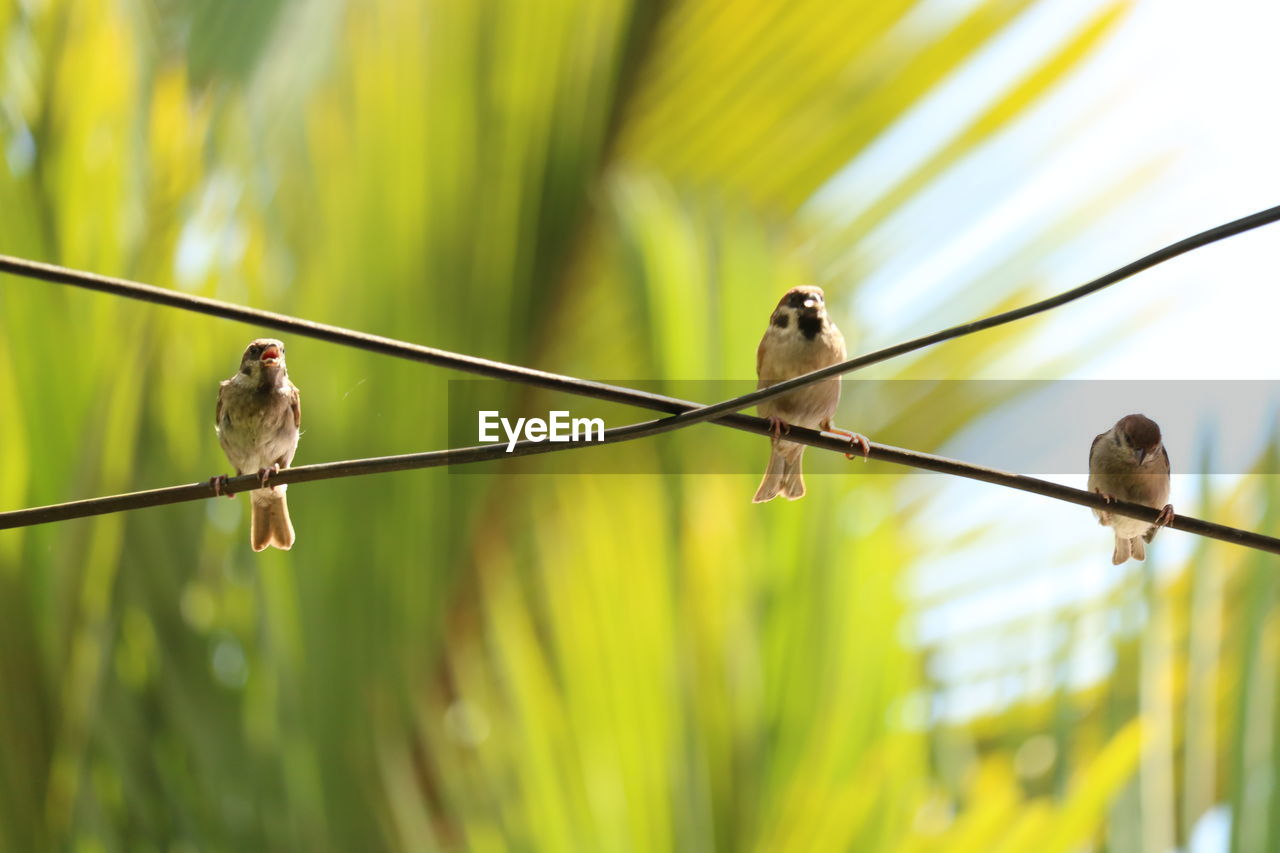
(800,338)
(257,420)
(1128,462)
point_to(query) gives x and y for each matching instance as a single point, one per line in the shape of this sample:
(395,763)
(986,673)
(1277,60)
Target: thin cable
(324,332)
(489,452)
(600,390)
(1173,250)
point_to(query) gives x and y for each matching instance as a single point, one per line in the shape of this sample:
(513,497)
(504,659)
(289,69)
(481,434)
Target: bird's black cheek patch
(781,320)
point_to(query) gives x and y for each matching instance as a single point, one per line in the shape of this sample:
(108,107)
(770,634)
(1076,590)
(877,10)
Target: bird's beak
(811,303)
(271,356)
(1142,455)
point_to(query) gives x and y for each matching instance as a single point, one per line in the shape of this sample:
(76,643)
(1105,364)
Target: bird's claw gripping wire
(855,439)
(1104,517)
(264,475)
(219,485)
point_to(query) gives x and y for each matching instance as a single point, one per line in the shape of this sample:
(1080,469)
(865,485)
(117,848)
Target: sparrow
(257,420)
(1128,462)
(801,338)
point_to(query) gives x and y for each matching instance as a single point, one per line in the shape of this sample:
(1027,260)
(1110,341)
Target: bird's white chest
(790,353)
(257,428)
(787,354)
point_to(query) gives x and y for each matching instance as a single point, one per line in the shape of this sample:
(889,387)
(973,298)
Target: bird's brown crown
(797,296)
(1143,432)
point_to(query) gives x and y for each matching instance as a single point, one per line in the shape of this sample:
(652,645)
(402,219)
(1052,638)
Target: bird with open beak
(801,338)
(1128,462)
(258,420)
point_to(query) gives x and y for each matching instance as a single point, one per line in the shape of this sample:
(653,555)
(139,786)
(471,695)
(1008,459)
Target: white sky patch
(945,111)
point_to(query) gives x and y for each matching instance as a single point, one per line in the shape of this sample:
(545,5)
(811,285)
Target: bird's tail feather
(269,523)
(783,476)
(1126,548)
(1121,552)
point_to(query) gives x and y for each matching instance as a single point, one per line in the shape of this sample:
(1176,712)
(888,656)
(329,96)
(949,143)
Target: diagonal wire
(489,452)
(1173,250)
(600,390)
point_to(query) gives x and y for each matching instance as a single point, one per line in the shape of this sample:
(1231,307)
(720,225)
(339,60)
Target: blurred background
(622,189)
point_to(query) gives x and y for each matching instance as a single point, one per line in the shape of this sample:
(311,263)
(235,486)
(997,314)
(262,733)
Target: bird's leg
(264,474)
(856,439)
(1165,516)
(219,483)
(778,427)
(1104,518)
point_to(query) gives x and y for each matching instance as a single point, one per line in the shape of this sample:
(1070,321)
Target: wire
(1173,250)
(325,332)
(489,452)
(600,390)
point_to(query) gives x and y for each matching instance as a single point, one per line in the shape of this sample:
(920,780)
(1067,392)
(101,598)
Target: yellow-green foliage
(555,662)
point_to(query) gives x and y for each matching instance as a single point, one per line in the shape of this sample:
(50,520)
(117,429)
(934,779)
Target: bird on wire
(1129,462)
(800,338)
(258,421)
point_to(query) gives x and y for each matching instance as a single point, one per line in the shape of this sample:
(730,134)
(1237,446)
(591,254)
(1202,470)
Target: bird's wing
(295,403)
(1100,437)
(839,351)
(217,413)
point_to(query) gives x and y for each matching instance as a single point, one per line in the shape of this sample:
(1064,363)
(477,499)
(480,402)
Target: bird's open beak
(1142,455)
(271,356)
